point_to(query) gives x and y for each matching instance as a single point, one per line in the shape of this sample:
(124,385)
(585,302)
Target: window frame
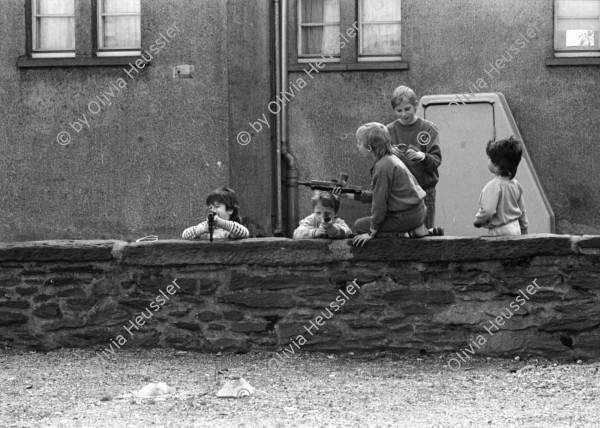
(371,58)
(570,52)
(100,51)
(349,59)
(47,53)
(306,58)
(86,41)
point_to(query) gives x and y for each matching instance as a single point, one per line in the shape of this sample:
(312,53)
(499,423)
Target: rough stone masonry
(427,295)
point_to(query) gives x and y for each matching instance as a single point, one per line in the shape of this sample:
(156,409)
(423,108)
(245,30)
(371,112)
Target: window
(53,28)
(379,30)
(119,27)
(319,28)
(84,28)
(576,28)
(346,34)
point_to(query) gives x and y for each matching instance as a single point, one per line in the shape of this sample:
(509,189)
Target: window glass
(319,27)
(120,24)
(380,27)
(577,25)
(54,25)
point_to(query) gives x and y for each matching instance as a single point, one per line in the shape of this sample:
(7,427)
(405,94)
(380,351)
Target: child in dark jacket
(396,198)
(416,142)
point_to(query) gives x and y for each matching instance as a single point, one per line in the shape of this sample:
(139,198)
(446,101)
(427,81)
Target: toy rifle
(331,185)
(401,147)
(211,225)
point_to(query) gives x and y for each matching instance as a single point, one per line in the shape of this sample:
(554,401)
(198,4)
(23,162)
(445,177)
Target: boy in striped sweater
(223,203)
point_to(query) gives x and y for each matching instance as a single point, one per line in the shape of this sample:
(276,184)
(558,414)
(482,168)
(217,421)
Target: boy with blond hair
(396,198)
(415,141)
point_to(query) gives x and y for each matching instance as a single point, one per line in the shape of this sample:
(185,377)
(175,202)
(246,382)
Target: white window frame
(41,53)
(370,58)
(570,51)
(123,51)
(312,57)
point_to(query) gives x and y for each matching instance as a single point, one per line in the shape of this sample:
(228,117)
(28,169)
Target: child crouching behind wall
(223,203)
(396,198)
(324,221)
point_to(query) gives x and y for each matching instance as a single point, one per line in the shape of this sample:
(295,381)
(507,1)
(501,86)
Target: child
(396,198)
(324,221)
(422,154)
(224,204)
(502,210)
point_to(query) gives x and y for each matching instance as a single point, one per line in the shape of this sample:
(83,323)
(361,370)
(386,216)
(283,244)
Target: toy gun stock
(211,225)
(330,185)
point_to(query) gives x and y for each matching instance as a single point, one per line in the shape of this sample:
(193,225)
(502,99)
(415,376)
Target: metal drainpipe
(289,158)
(278,229)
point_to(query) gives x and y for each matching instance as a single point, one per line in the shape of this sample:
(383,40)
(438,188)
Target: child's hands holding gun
(326,224)
(403,152)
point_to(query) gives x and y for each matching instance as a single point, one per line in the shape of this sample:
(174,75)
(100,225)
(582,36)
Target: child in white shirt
(501,206)
(324,221)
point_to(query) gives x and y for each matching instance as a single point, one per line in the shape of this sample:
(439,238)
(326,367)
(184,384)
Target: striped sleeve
(195,232)
(236,230)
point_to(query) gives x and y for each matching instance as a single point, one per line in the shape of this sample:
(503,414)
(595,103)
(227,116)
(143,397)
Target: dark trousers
(398,221)
(430,204)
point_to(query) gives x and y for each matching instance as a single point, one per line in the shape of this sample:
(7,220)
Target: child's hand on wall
(360,240)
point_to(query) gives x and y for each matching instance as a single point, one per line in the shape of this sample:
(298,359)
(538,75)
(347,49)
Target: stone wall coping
(57,250)
(285,251)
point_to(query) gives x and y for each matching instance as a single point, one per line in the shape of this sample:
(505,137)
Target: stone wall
(536,294)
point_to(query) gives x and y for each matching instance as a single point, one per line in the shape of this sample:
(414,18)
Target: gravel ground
(72,388)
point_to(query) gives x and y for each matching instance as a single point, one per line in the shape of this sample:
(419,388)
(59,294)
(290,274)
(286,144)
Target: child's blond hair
(377,136)
(404,92)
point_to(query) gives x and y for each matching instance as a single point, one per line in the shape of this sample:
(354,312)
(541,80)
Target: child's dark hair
(506,155)
(376,136)
(327,199)
(227,197)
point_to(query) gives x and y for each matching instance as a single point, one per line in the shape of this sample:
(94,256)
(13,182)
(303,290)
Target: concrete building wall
(147,160)
(449,45)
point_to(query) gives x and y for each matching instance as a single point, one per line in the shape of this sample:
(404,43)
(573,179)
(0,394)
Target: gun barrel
(211,225)
(329,186)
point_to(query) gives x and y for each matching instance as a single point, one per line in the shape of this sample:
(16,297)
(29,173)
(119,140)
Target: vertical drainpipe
(276,7)
(290,160)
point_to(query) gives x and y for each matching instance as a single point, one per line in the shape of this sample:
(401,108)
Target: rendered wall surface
(430,295)
(146,162)
(449,45)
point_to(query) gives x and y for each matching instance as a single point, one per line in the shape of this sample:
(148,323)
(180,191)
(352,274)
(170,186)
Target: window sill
(355,66)
(26,62)
(572,61)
